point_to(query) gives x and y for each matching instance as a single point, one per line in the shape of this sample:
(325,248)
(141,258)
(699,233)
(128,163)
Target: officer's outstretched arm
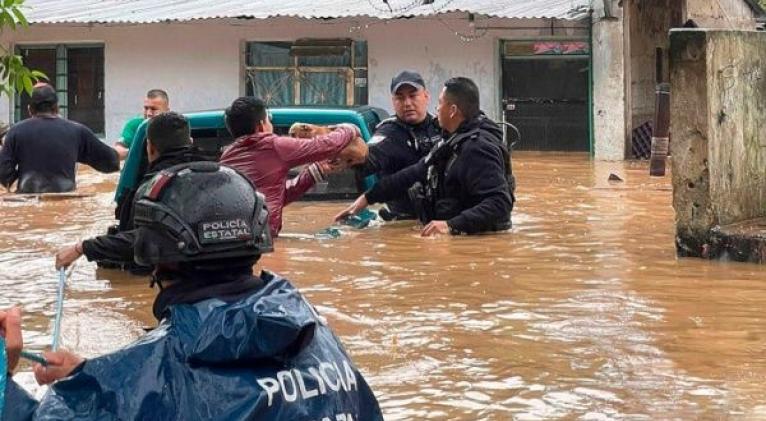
(359,204)
(391,186)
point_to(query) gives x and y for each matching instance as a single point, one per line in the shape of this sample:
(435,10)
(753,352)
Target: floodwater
(581,312)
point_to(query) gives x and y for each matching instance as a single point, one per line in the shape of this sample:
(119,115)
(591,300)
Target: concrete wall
(719,131)
(200,63)
(609,93)
(649,25)
(624,48)
(721,14)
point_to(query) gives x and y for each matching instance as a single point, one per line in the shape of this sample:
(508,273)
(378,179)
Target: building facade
(573,75)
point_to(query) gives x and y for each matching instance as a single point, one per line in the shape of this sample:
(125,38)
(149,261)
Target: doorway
(85,80)
(546,94)
(77,74)
(44,60)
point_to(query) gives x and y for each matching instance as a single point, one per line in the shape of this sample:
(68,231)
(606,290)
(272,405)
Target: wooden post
(661,133)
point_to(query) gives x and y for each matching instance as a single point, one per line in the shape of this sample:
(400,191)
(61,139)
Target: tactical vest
(420,144)
(429,200)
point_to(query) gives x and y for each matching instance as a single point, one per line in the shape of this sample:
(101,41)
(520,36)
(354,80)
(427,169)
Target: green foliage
(14,76)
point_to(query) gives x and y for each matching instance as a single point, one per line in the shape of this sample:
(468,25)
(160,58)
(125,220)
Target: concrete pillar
(609,90)
(718,126)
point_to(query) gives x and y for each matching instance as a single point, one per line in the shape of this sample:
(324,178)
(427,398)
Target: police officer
(465,184)
(403,139)
(168,143)
(229,345)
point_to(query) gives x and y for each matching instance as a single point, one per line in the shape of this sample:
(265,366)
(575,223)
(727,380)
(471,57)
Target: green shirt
(129,130)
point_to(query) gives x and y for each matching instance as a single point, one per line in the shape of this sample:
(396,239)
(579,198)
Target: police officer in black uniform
(168,143)
(465,184)
(403,139)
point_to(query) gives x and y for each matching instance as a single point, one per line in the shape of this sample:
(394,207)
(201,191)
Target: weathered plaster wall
(721,14)
(649,25)
(650,21)
(609,94)
(200,63)
(719,131)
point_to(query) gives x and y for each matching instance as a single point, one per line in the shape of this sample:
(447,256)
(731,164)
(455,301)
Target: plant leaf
(39,75)
(20,17)
(27,84)
(8,19)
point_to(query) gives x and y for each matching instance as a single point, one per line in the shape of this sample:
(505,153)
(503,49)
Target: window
(308,72)
(77,73)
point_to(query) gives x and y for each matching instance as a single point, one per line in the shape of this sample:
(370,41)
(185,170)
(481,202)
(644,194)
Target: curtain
(273,86)
(323,88)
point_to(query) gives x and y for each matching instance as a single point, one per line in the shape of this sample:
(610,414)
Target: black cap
(407,77)
(42,93)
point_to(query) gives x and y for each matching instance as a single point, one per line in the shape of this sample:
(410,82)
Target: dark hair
(244,114)
(157,93)
(43,98)
(464,93)
(168,131)
(43,107)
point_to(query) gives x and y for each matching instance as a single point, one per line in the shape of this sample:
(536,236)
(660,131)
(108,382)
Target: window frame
(352,83)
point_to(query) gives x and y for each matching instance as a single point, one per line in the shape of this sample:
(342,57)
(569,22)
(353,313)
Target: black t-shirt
(41,153)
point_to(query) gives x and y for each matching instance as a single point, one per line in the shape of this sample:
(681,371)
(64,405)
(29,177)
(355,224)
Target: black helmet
(199,211)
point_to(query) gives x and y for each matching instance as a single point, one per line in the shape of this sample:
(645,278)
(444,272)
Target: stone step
(743,241)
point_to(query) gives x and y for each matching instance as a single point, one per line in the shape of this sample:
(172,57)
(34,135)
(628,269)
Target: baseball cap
(407,77)
(42,93)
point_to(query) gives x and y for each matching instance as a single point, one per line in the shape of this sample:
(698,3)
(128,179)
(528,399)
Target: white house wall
(197,64)
(200,63)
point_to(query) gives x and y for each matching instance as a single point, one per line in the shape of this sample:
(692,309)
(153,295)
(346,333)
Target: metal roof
(758,10)
(150,11)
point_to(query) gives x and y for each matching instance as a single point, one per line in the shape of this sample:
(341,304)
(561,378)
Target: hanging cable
(477,33)
(394,11)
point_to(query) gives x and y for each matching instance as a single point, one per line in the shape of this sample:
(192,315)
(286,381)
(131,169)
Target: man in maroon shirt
(266,158)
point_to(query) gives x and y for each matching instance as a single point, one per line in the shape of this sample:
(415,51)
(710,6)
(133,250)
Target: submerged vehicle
(209,134)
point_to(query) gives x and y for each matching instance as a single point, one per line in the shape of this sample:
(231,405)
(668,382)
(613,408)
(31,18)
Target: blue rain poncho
(267,356)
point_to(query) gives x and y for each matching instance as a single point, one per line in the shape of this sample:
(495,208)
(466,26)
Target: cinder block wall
(718,127)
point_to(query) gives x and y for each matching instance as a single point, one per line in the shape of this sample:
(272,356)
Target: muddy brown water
(583,311)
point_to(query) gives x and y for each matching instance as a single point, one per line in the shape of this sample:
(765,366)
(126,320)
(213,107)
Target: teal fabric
(360,220)
(129,130)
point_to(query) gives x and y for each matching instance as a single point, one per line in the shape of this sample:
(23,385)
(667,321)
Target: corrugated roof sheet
(149,11)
